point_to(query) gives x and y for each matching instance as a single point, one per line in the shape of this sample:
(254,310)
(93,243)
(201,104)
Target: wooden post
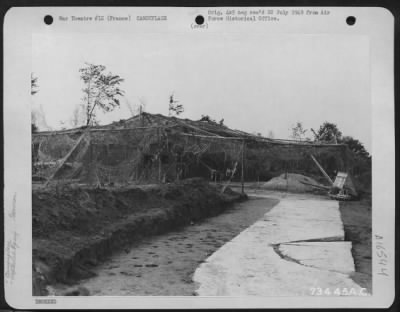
(231,177)
(159,154)
(242,174)
(287,180)
(159,167)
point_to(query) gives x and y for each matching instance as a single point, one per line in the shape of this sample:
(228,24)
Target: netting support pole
(159,168)
(242,173)
(159,154)
(322,170)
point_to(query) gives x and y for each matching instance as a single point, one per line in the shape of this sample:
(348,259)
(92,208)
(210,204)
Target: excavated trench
(164,264)
(79,228)
(167,229)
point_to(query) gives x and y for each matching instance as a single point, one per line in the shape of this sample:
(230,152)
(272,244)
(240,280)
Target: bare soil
(357,221)
(294,183)
(164,264)
(78,228)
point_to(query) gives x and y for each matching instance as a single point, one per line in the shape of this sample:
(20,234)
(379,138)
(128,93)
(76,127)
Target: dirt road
(164,264)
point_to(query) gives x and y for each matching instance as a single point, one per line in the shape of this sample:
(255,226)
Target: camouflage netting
(171,151)
(124,156)
(268,160)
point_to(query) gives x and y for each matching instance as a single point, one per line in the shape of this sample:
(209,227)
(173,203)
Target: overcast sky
(257,83)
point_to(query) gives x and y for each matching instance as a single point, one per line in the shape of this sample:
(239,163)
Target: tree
(356,146)
(34,128)
(174,107)
(271,134)
(362,162)
(327,132)
(207,118)
(34,84)
(101,90)
(298,132)
(34,90)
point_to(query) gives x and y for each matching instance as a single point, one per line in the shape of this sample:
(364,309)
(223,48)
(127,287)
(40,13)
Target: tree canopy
(101,90)
(34,84)
(298,131)
(328,132)
(207,118)
(174,107)
(356,146)
(34,90)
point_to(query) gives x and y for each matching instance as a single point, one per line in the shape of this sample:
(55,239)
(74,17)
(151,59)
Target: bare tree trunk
(88,106)
(91,112)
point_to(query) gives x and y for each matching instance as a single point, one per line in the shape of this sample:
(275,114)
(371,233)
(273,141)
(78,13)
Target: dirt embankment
(294,183)
(357,221)
(80,227)
(163,265)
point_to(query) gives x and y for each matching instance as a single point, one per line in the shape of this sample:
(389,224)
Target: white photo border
(377,24)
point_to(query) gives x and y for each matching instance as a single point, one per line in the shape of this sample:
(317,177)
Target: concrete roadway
(296,249)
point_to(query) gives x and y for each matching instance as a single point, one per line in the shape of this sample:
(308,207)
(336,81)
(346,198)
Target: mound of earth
(293,182)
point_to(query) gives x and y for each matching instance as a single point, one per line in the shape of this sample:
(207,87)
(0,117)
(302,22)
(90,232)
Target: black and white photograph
(221,160)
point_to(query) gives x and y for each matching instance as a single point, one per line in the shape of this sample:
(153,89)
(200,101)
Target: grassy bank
(357,220)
